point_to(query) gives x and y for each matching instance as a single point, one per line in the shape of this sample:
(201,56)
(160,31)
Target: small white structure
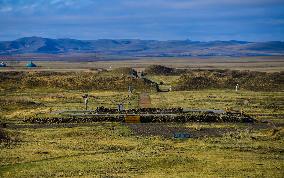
(86,101)
(237,87)
(2,64)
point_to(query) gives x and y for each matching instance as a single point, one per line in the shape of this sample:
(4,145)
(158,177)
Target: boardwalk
(144,100)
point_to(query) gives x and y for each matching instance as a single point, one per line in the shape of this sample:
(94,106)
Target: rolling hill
(140,48)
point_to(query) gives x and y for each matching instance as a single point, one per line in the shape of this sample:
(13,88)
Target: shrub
(249,80)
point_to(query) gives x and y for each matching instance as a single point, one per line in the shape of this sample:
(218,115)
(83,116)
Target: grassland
(109,149)
(264,64)
(116,150)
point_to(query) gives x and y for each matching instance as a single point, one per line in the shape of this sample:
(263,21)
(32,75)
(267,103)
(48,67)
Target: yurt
(2,64)
(31,64)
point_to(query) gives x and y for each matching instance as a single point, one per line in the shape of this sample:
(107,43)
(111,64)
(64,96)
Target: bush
(113,80)
(249,80)
(162,70)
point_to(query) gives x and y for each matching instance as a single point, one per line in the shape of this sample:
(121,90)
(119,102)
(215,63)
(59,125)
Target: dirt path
(144,100)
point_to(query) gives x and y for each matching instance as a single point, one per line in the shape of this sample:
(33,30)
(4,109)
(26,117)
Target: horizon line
(141,39)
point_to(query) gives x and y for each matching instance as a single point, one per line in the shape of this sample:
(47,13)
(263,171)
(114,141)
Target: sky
(198,20)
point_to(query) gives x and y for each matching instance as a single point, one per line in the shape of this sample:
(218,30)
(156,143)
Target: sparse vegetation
(161,70)
(114,149)
(224,79)
(217,79)
(114,80)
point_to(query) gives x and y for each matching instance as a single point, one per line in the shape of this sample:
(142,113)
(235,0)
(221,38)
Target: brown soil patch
(168,130)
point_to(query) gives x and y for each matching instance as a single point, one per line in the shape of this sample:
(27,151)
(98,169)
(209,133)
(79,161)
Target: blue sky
(203,20)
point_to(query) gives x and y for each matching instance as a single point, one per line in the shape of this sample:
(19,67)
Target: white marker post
(86,103)
(86,98)
(237,87)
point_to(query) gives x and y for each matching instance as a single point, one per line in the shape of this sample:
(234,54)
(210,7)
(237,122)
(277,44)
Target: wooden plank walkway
(144,100)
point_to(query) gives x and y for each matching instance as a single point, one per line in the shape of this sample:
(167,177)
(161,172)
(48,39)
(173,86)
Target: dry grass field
(113,149)
(266,64)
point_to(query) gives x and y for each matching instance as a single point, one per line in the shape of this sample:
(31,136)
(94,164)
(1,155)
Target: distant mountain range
(140,48)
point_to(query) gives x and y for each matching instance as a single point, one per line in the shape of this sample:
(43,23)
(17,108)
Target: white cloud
(191,4)
(6,9)
(62,2)
(56,1)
